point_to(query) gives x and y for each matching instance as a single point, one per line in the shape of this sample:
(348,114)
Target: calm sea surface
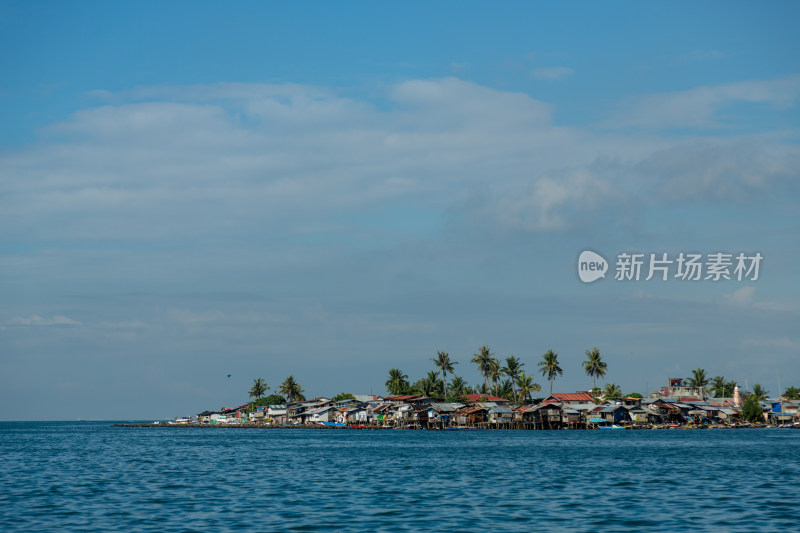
(91,476)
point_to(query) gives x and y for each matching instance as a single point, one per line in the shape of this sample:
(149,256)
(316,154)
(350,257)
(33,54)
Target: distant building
(676,388)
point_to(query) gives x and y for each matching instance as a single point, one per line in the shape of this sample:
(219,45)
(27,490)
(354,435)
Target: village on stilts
(434,403)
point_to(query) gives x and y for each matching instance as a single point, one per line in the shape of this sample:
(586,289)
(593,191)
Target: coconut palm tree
(759,392)
(436,385)
(484,361)
(512,369)
(445,365)
(291,389)
(495,373)
(258,389)
(548,366)
(458,386)
(594,365)
(526,387)
(699,379)
(718,386)
(397,382)
(506,390)
(612,391)
(429,385)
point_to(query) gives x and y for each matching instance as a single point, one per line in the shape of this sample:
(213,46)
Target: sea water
(92,476)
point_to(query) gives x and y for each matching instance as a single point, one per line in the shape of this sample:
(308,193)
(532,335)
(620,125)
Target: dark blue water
(94,477)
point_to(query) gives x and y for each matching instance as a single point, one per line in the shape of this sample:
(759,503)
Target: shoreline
(380,428)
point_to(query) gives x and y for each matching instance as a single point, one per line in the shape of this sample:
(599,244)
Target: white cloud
(207,162)
(742,297)
(697,107)
(746,297)
(552,73)
(783,342)
(37,321)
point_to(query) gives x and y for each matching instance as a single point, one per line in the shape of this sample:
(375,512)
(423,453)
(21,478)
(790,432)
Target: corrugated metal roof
(583,406)
(447,407)
(573,397)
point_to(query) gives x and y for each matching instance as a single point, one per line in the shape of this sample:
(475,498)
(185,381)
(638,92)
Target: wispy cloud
(552,73)
(698,107)
(174,162)
(746,297)
(704,55)
(40,321)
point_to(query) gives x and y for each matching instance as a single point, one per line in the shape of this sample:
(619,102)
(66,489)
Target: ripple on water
(92,476)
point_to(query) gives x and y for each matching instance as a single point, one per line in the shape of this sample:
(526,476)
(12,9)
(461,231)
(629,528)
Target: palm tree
(291,389)
(258,389)
(397,382)
(483,359)
(512,369)
(548,366)
(435,383)
(495,372)
(506,390)
(594,365)
(718,386)
(445,365)
(612,391)
(759,392)
(526,387)
(699,379)
(429,385)
(458,386)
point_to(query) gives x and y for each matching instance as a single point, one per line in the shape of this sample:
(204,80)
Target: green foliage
(397,382)
(445,365)
(792,393)
(430,385)
(343,396)
(453,397)
(484,361)
(526,387)
(458,386)
(505,390)
(759,392)
(699,379)
(272,399)
(721,388)
(751,410)
(635,395)
(291,389)
(258,389)
(548,366)
(612,392)
(594,365)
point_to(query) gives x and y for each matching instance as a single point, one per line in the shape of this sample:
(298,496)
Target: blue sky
(193,190)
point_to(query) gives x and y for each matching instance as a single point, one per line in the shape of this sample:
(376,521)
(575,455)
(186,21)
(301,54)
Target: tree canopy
(751,410)
(594,365)
(258,389)
(548,366)
(397,382)
(292,390)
